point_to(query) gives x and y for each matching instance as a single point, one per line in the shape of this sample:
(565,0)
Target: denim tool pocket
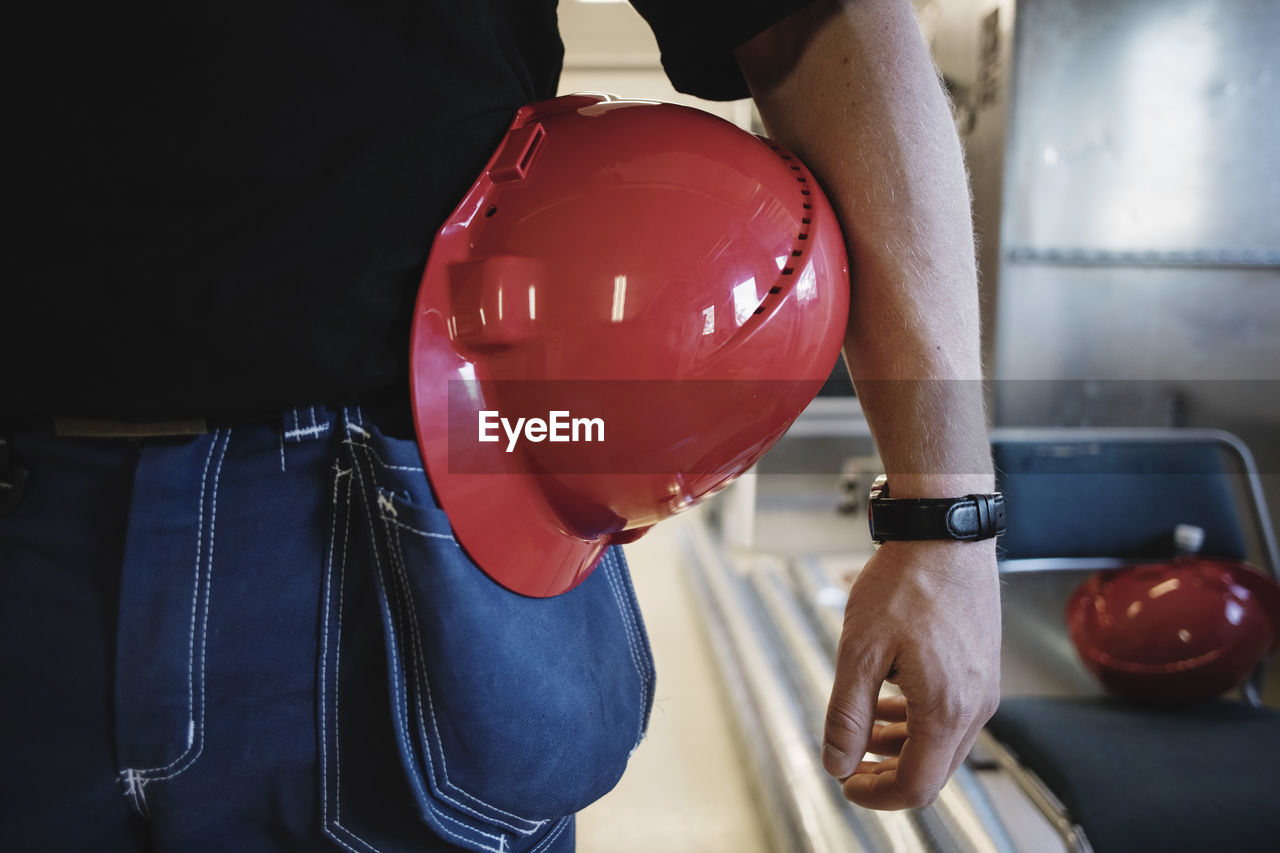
(507,713)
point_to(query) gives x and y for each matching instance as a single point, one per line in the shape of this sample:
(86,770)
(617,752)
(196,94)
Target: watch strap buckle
(976,517)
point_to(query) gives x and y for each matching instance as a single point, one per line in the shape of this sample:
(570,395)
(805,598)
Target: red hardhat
(1175,632)
(630,306)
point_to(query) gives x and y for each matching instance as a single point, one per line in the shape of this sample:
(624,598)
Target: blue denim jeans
(267,638)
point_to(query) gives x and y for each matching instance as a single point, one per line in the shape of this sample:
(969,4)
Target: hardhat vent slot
(806,221)
(516,155)
(527,157)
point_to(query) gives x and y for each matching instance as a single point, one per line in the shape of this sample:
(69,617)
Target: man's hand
(925,616)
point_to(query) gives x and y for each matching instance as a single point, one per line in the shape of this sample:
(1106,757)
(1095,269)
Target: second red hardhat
(1176,632)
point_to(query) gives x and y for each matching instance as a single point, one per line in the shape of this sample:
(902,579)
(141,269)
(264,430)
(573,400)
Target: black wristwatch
(966,519)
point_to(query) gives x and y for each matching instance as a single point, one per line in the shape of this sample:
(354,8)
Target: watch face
(880,487)
(879,490)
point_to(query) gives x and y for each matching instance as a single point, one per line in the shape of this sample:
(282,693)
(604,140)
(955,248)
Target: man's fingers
(891,708)
(912,781)
(875,787)
(873,767)
(921,758)
(851,715)
(888,740)
(926,763)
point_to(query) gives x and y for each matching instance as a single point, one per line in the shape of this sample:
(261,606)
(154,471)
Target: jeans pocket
(508,713)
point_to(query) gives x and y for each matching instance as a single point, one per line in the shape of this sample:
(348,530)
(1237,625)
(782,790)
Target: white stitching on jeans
(324,690)
(204,619)
(402,703)
(337,670)
(610,561)
(133,789)
(420,663)
(203,578)
(635,649)
(646,652)
(304,432)
(195,602)
(633,615)
(645,663)
(377,457)
(402,706)
(412,624)
(551,836)
(610,564)
(427,533)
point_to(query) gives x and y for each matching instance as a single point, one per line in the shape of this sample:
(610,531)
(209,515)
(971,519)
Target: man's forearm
(851,89)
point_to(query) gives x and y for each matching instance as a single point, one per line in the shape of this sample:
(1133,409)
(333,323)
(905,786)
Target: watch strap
(970,518)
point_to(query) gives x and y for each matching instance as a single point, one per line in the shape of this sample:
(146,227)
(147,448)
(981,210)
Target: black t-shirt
(223,209)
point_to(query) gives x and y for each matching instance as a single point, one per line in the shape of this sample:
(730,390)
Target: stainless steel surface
(1150,124)
(810,672)
(1152,324)
(1127,201)
(1217,259)
(1037,658)
(808,815)
(822,598)
(1143,129)
(1034,565)
(1050,806)
(963,819)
